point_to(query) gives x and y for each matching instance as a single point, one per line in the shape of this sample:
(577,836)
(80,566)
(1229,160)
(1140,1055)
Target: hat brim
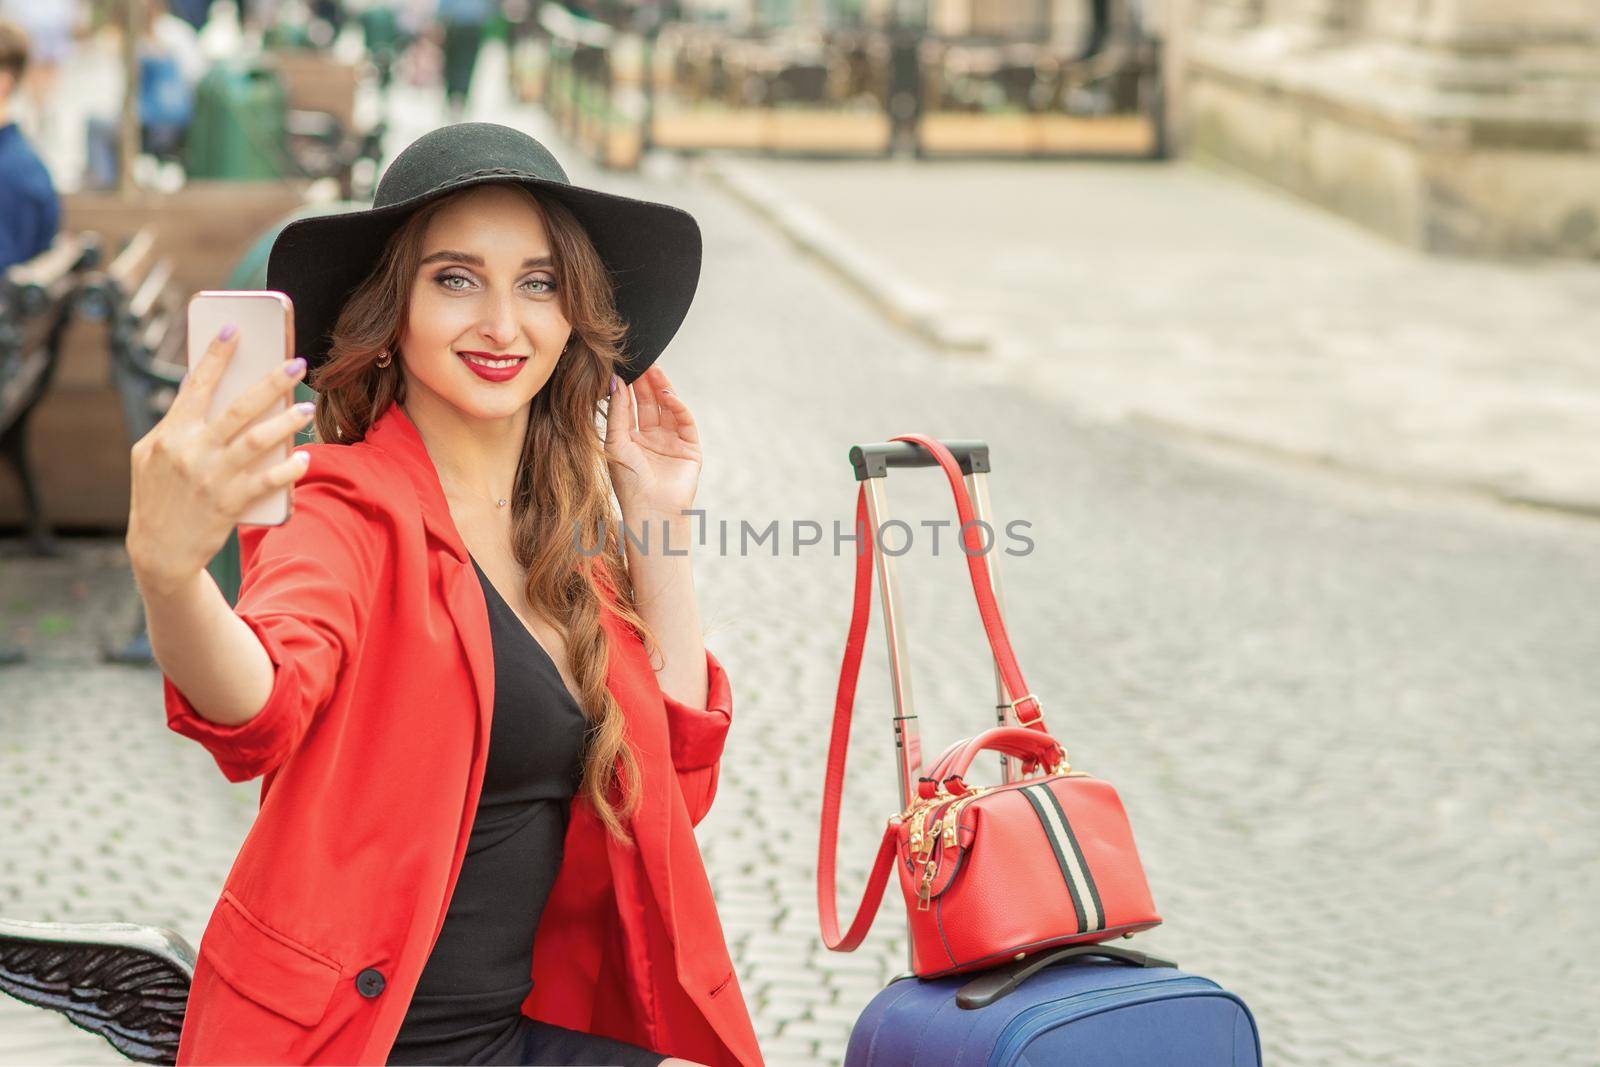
(652,250)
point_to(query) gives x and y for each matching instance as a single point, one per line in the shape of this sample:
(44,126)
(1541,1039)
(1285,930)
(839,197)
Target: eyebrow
(468,258)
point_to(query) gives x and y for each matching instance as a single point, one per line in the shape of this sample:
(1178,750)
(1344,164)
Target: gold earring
(386,359)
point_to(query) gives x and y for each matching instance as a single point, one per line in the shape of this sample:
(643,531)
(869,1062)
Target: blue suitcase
(1129,1010)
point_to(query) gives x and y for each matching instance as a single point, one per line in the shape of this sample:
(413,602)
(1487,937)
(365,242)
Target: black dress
(467,1004)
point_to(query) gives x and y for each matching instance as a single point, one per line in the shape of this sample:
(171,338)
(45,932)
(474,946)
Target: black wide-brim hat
(652,250)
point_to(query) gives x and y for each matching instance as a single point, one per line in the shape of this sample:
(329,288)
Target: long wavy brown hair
(568,488)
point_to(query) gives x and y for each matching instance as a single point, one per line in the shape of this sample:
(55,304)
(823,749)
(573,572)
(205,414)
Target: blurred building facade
(1467,126)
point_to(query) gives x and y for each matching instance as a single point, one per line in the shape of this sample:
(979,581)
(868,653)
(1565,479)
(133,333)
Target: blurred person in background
(330,11)
(461,22)
(170,67)
(1099,28)
(194,12)
(30,211)
(171,63)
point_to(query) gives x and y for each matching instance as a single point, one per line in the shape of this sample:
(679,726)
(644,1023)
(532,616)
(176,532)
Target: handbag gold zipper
(949,822)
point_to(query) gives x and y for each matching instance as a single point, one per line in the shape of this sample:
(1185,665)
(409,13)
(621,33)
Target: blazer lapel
(396,435)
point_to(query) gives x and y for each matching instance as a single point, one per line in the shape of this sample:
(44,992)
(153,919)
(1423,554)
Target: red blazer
(372,744)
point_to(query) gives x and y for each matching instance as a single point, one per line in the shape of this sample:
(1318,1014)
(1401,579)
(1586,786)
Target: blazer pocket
(270,968)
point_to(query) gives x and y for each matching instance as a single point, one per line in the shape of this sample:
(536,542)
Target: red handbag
(989,873)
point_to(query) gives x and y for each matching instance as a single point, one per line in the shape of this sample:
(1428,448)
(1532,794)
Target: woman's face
(485,288)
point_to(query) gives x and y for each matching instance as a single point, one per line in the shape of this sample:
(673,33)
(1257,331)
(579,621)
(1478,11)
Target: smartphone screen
(266,334)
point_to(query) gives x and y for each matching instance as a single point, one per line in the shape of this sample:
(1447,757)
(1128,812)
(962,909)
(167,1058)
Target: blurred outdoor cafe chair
(124,982)
(791,67)
(36,303)
(699,73)
(853,52)
(798,81)
(1033,77)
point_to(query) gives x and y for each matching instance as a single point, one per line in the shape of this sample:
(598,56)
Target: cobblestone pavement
(1183,298)
(1355,726)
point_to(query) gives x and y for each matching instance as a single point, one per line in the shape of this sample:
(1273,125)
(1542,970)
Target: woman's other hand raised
(653,447)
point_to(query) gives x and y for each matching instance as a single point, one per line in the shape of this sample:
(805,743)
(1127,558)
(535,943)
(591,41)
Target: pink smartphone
(266,336)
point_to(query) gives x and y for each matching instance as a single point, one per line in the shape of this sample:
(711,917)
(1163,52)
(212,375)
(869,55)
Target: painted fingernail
(613,383)
(302,458)
(227,332)
(295,366)
(306,407)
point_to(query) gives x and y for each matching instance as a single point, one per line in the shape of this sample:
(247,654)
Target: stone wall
(1466,126)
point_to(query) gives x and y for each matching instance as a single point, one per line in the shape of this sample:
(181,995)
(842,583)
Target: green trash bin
(251,273)
(238,129)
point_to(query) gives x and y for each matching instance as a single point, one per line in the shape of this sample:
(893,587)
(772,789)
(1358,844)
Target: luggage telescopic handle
(874,460)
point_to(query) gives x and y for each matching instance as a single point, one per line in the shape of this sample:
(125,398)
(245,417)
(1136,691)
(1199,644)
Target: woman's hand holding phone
(192,478)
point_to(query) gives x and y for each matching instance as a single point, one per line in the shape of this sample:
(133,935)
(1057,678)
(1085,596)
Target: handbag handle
(1021,742)
(944,758)
(844,706)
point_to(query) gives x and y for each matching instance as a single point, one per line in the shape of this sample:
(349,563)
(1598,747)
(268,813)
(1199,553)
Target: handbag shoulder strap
(978,567)
(833,782)
(844,705)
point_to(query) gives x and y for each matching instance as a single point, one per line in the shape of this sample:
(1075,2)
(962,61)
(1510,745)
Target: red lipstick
(492,374)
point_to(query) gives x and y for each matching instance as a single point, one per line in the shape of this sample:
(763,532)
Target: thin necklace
(502,502)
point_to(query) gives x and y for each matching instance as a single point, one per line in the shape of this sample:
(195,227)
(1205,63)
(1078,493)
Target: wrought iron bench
(133,297)
(136,299)
(36,303)
(125,982)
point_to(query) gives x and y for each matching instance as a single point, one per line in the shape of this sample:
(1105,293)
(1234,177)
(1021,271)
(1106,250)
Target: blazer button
(369,983)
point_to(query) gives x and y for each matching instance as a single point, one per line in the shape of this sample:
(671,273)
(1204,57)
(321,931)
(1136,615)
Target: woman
(476,720)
